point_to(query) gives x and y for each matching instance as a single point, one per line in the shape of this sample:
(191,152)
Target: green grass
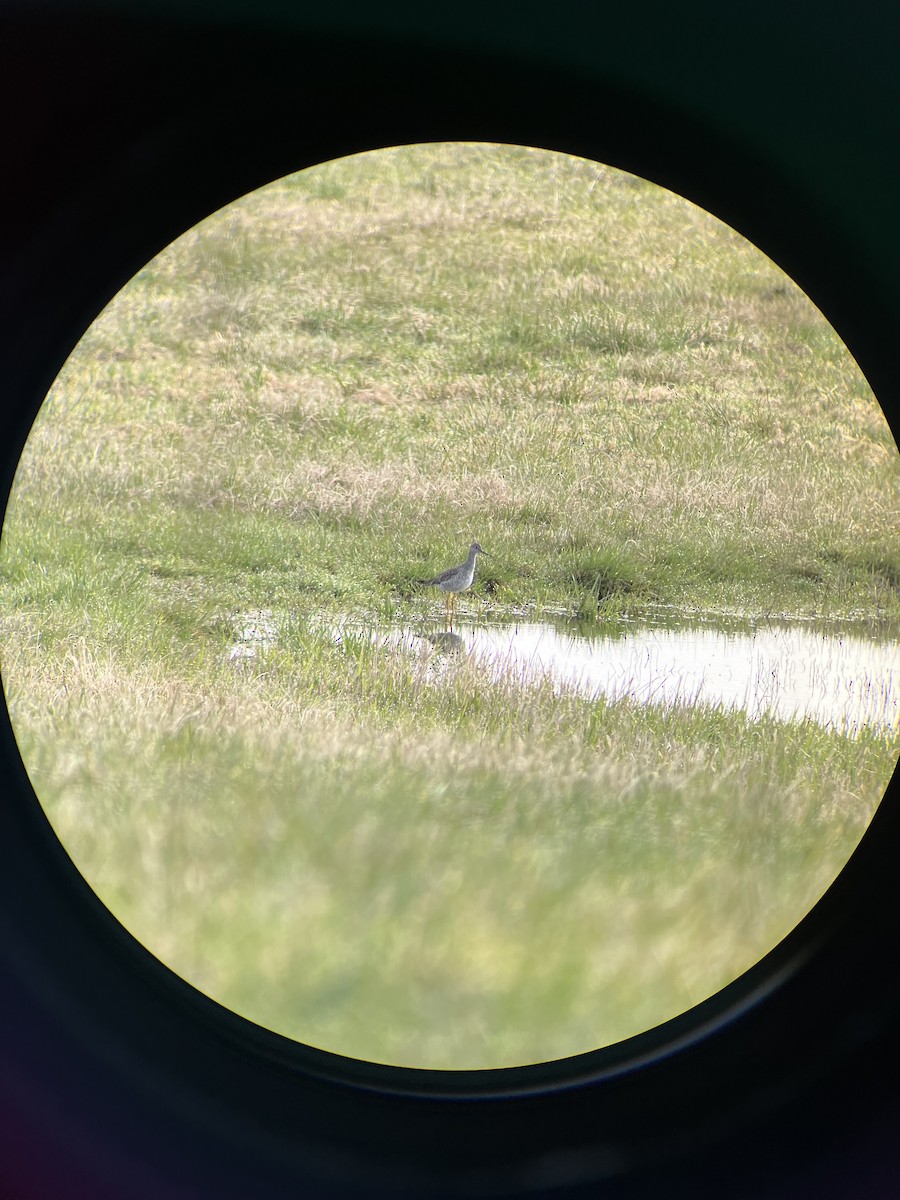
(400,352)
(324,393)
(431,868)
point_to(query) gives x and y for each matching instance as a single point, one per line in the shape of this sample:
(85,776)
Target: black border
(133,121)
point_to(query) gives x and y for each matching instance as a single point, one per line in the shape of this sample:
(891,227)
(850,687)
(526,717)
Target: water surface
(793,672)
(841,680)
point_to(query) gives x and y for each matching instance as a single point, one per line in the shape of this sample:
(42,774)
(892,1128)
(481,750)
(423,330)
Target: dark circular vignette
(132,123)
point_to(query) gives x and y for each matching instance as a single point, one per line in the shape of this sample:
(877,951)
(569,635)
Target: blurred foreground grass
(358,865)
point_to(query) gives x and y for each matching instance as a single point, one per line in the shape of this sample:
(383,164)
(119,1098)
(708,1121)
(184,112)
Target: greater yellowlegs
(456,579)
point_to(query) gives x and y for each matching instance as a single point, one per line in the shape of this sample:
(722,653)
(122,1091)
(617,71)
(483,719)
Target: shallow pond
(790,672)
(841,680)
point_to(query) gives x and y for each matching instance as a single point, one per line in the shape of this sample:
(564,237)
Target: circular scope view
(450,604)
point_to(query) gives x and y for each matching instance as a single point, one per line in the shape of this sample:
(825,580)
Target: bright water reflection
(841,681)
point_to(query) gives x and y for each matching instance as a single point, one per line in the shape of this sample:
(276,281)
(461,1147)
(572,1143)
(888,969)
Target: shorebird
(455,579)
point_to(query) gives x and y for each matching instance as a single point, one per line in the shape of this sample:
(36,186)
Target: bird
(456,579)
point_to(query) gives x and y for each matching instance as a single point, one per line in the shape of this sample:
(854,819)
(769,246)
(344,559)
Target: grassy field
(319,396)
